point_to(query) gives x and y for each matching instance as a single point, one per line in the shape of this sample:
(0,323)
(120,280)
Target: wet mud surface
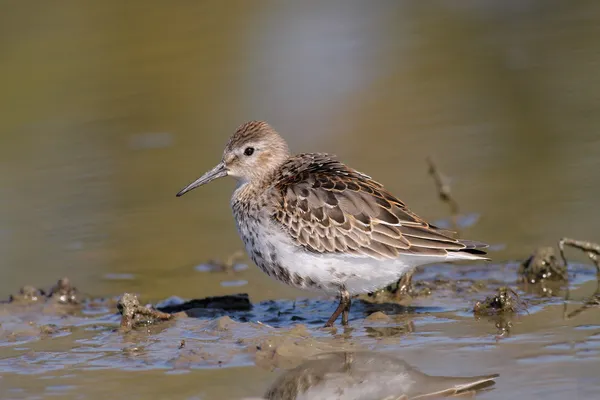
(58,338)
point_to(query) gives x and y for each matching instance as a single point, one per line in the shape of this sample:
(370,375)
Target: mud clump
(35,313)
(223,324)
(378,316)
(63,292)
(27,294)
(499,308)
(542,266)
(134,315)
(402,293)
(505,301)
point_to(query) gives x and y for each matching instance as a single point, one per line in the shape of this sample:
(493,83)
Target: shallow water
(107,110)
(56,350)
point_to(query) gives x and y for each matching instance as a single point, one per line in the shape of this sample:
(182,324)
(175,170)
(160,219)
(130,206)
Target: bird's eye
(249,151)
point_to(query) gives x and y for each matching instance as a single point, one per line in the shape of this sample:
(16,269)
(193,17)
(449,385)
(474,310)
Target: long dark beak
(217,172)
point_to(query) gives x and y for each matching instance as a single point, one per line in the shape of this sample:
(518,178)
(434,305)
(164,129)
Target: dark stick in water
(443,187)
(591,249)
(593,252)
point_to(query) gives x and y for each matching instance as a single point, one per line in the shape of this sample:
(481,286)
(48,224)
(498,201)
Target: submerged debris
(228,266)
(542,266)
(505,301)
(135,315)
(234,302)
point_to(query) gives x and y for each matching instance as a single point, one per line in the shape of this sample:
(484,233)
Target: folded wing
(330,208)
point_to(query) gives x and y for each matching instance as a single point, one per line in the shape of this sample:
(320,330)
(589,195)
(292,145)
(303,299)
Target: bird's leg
(405,285)
(346,296)
(342,308)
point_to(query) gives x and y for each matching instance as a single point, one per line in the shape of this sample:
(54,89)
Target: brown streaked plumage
(312,222)
(327,207)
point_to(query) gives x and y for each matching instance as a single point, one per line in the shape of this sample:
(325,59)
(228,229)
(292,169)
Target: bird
(314,223)
(369,375)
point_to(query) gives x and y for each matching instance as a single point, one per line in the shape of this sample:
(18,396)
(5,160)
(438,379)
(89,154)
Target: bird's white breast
(275,253)
(272,249)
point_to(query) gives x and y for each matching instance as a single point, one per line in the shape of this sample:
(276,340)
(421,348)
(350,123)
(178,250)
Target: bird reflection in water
(369,376)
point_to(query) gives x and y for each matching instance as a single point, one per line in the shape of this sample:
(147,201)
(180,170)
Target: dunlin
(369,375)
(314,223)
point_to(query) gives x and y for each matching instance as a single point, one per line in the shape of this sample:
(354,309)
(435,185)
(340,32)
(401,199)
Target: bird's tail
(474,247)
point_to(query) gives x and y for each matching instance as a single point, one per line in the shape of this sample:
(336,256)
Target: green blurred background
(108,108)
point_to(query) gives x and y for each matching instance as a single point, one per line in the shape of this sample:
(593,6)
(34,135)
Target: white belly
(272,248)
(356,275)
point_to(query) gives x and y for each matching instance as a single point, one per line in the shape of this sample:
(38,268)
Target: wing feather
(328,207)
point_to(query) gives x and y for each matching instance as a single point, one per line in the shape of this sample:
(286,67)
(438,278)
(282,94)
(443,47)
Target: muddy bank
(486,303)
(34,313)
(45,337)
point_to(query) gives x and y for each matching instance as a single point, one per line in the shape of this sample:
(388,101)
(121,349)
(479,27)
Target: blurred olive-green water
(108,108)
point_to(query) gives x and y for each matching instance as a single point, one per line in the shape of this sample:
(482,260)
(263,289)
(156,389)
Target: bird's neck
(249,190)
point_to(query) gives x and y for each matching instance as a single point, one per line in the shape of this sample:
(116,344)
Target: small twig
(263,324)
(443,188)
(591,249)
(593,252)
